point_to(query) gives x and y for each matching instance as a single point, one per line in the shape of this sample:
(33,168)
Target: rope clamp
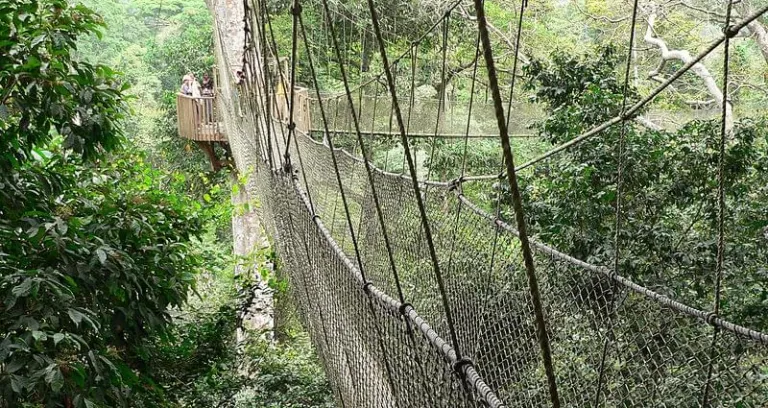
(367,288)
(455,184)
(710,318)
(460,365)
(296,9)
(730,31)
(292,126)
(405,308)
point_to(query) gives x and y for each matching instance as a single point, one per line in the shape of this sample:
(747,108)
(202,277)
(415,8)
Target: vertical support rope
(513,82)
(411,98)
(729,33)
(414,180)
(517,203)
(375,197)
(441,97)
(396,276)
(464,162)
(296,11)
(618,222)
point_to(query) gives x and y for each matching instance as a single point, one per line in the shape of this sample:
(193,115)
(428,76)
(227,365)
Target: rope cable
(721,208)
(412,170)
(618,210)
(517,203)
(441,96)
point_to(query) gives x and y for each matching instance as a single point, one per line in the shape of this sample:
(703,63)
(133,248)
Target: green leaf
(102,256)
(58,337)
(39,335)
(18,383)
(76,316)
(23,289)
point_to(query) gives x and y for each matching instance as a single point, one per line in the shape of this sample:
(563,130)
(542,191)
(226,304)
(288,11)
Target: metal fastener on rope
(315,217)
(405,308)
(296,9)
(455,183)
(710,318)
(292,126)
(731,31)
(367,287)
(460,365)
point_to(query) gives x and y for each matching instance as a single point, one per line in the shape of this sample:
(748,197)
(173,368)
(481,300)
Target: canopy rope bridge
(416,295)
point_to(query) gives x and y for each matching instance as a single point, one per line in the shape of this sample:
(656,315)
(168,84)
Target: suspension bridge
(416,293)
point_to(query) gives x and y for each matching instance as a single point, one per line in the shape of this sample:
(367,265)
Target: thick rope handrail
(395,307)
(626,282)
(421,135)
(675,305)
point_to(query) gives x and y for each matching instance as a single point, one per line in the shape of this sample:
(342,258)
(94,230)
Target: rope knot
(461,364)
(710,318)
(296,9)
(730,31)
(405,308)
(292,126)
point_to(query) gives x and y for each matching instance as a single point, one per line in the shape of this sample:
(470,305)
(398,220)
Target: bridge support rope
(395,234)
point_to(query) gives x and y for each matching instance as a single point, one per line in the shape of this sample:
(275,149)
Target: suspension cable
(417,192)
(724,134)
(517,203)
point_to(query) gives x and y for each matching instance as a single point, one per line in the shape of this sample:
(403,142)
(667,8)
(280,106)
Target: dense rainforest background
(117,274)
(117,277)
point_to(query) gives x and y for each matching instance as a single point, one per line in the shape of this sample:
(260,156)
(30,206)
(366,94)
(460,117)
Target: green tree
(669,202)
(93,252)
(45,90)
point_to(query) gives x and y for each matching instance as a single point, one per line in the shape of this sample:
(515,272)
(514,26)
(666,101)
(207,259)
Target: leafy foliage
(669,193)
(45,89)
(92,258)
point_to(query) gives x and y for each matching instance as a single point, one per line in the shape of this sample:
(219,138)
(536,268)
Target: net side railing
(614,342)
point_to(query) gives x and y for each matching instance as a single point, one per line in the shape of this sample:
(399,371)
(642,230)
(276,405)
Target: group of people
(190,86)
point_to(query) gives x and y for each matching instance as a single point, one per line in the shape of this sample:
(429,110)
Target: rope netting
(417,294)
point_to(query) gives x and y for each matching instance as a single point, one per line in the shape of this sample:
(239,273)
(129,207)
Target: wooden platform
(198,119)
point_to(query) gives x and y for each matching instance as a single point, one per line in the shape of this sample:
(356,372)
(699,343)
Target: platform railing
(198,119)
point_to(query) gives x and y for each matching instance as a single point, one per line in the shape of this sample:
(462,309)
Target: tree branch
(699,69)
(508,41)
